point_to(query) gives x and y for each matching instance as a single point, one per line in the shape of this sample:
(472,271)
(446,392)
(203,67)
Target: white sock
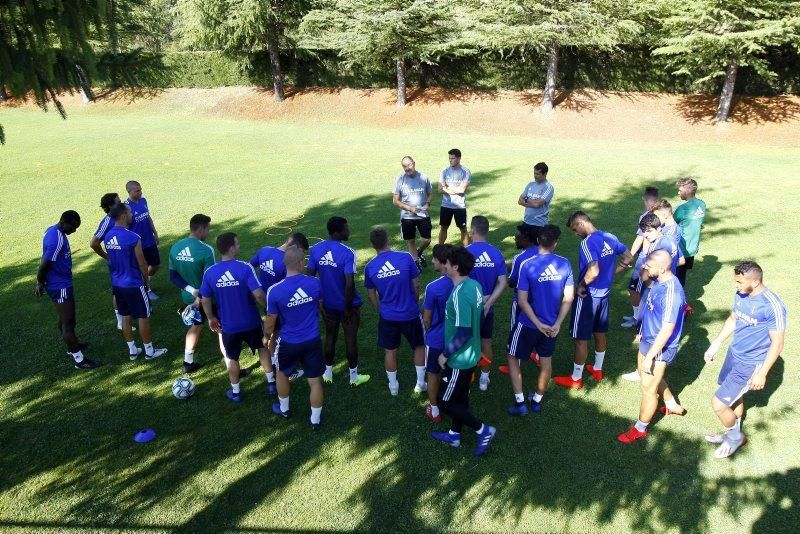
(734,433)
(420,374)
(479,430)
(577,371)
(148,348)
(434,410)
(537,397)
(132,347)
(119,318)
(235,387)
(77,356)
(519,398)
(316,414)
(353,373)
(484,375)
(598,360)
(739,424)
(270,376)
(188,356)
(636,312)
(641,427)
(284,403)
(671,404)
(392,375)
(328,370)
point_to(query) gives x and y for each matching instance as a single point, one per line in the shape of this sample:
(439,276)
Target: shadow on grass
(67,435)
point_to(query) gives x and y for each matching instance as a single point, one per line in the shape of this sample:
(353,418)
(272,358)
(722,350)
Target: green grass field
(68,460)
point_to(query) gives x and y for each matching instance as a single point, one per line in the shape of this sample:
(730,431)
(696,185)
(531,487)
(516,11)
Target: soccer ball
(183,388)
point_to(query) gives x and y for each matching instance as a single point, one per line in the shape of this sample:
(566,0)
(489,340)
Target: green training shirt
(690,216)
(464,309)
(190,257)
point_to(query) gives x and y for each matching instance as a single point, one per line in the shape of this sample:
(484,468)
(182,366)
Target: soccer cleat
(328,379)
(666,411)
(454,440)
(422,261)
(297,374)
(191,367)
(484,361)
(152,295)
(485,439)
(536,407)
(394,390)
(687,309)
(729,447)
(157,353)
(86,363)
(535,359)
(597,374)
(633,376)
(359,379)
(483,383)
(136,354)
(503,369)
(715,438)
(235,397)
(272,389)
(276,409)
(420,388)
(628,317)
(631,435)
(518,409)
(568,382)
(429,414)
(316,426)
(629,322)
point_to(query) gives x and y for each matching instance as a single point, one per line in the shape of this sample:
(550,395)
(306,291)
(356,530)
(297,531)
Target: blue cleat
(272,389)
(454,440)
(235,397)
(536,407)
(518,409)
(276,409)
(485,439)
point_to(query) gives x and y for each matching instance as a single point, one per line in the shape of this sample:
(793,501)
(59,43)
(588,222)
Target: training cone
(145,435)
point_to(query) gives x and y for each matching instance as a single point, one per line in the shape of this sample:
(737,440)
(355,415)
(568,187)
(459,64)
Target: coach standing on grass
(536,199)
(453,183)
(413,194)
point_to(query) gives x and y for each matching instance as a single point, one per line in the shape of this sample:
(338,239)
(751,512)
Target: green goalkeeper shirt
(190,258)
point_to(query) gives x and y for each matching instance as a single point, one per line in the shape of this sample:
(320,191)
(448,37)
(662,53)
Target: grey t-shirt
(414,191)
(454,178)
(535,190)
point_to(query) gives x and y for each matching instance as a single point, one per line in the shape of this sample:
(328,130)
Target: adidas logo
(550,274)
(299,297)
(184,255)
(327,259)
(484,261)
(607,250)
(387,270)
(227,280)
(113,244)
(267,267)
(699,213)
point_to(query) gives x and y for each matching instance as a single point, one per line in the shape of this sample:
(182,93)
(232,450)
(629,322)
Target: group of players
(454,334)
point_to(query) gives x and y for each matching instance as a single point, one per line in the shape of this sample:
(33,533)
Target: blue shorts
(151,255)
(733,379)
(336,315)
(487,325)
(589,316)
(132,302)
(635,283)
(389,333)
(233,342)
(60,296)
(523,340)
(432,360)
(666,355)
(308,354)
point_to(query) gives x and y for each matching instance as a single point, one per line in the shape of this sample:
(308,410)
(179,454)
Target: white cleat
(627,317)
(716,439)
(633,376)
(157,353)
(483,383)
(729,447)
(420,388)
(629,323)
(394,390)
(136,354)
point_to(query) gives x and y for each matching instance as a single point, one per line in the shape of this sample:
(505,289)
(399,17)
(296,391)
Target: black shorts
(523,340)
(487,325)
(432,360)
(446,216)
(233,342)
(308,354)
(454,385)
(389,333)
(409,227)
(151,255)
(132,301)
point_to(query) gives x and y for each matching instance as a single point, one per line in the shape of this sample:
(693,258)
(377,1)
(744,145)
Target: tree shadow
(127,95)
(443,95)
(701,108)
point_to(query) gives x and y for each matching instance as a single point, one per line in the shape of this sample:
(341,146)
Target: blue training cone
(145,435)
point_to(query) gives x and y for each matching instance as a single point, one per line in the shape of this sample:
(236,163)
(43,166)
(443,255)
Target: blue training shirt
(295,300)
(333,261)
(120,244)
(269,264)
(513,277)
(489,265)
(664,304)
(603,248)
(756,316)
(544,277)
(436,295)
(140,222)
(231,284)
(106,224)
(392,273)
(55,249)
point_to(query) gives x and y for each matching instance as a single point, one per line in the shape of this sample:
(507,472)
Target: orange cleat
(687,309)
(568,382)
(503,369)
(484,361)
(429,415)
(631,435)
(597,374)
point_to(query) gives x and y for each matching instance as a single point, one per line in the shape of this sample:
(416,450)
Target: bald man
(662,323)
(413,194)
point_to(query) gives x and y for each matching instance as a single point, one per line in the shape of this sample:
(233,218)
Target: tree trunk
(725,99)
(552,72)
(401,83)
(275,62)
(3,93)
(85,86)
